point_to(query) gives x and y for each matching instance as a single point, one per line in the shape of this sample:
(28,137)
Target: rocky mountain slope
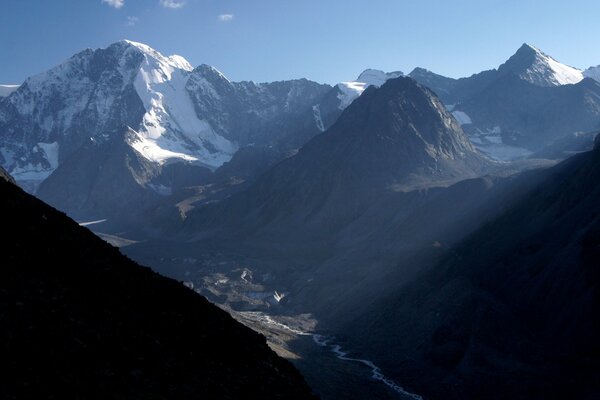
(79,320)
(511,311)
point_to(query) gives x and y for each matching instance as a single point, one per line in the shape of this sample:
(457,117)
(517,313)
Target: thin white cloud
(172,3)
(131,21)
(115,3)
(226,17)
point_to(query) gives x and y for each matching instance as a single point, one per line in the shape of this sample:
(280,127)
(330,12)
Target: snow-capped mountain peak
(538,68)
(349,91)
(173,61)
(91,96)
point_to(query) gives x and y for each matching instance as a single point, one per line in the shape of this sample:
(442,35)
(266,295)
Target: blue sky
(323,40)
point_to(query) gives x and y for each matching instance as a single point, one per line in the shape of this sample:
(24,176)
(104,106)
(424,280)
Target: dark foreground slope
(79,320)
(513,312)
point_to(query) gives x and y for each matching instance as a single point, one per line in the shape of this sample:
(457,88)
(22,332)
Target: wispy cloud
(172,3)
(131,21)
(226,17)
(115,3)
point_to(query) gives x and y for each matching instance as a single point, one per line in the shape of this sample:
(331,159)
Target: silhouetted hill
(80,320)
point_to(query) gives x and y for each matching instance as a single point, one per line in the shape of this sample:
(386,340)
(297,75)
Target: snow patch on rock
(5,90)
(462,117)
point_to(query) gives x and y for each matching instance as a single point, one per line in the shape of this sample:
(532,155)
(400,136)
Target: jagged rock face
(80,320)
(247,112)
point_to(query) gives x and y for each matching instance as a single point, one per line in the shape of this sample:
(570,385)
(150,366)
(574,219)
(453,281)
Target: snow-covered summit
(171,128)
(538,68)
(350,90)
(92,96)
(174,61)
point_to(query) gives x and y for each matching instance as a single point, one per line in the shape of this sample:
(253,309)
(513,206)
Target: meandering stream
(329,343)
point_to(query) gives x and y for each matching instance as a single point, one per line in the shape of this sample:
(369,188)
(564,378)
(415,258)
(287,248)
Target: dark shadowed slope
(513,311)
(79,320)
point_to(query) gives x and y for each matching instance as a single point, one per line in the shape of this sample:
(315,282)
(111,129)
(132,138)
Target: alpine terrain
(394,236)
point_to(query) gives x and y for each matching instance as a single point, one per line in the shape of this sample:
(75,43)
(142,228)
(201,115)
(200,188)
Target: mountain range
(521,107)
(153,125)
(444,228)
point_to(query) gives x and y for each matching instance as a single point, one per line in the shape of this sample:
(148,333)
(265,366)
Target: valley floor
(329,370)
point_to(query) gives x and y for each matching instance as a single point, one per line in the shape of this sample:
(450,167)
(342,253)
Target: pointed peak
(526,47)
(536,67)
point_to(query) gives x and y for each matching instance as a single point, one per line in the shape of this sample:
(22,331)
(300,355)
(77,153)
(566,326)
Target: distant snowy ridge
(5,90)
(349,91)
